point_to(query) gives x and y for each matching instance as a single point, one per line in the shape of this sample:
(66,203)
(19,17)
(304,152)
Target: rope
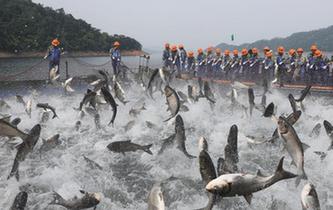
(31,68)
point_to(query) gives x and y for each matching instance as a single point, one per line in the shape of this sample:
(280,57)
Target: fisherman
(226,63)
(190,64)
(300,70)
(269,67)
(210,59)
(115,57)
(244,64)
(217,62)
(201,62)
(182,56)
(54,53)
(175,59)
(166,56)
(310,67)
(281,66)
(234,67)
(291,65)
(320,72)
(254,64)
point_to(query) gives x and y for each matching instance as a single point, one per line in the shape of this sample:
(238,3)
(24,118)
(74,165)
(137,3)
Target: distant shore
(76,54)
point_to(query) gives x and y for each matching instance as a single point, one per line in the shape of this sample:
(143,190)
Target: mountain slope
(322,37)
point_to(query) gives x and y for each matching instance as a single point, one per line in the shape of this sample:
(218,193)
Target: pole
(67,75)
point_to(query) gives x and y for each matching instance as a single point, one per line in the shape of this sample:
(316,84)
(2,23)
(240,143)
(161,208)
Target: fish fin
(147,149)
(269,111)
(248,198)
(15,170)
(305,146)
(82,191)
(172,116)
(292,163)
(281,173)
(58,199)
(55,116)
(259,173)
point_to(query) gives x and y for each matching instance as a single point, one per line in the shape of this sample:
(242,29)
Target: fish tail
(147,149)
(57,199)
(54,116)
(300,177)
(280,173)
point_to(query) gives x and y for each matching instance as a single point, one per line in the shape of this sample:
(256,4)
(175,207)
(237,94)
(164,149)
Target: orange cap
(166,45)
(254,50)
(116,44)
(55,42)
(190,54)
(180,46)
(235,51)
(292,51)
(300,50)
(218,51)
(226,52)
(200,50)
(318,53)
(313,48)
(244,51)
(173,48)
(269,54)
(266,49)
(280,49)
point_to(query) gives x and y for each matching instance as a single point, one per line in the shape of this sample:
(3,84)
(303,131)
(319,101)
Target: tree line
(29,27)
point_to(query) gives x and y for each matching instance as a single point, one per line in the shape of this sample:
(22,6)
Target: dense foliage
(26,26)
(322,37)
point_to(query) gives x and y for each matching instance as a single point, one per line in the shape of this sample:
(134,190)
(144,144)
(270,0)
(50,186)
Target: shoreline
(75,54)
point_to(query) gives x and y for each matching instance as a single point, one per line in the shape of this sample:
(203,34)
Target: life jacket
(55,53)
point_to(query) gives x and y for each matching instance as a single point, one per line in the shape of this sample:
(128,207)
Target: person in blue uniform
(53,54)
(115,58)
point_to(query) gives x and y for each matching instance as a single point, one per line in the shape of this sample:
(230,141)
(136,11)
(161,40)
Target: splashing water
(125,180)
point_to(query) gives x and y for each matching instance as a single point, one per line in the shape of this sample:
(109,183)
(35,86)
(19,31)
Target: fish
(203,145)
(309,197)
(110,100)
(54,75)
(20,100)
(329,131)
(183,96)
(304,92)
(20,201)
(231,150)
(128,146)
(155,198)
(251,100)
(269,111)
(97,120)
(190,93)
(293,145)
(46,106)
(135,112)
(92,164)
(50,143)
(45,116)
(167,142)
(119,92)
(105,76)
(172,101)
(180,136)
(78,125)
(208,173)
(88,200)
(200,82)
(67,85)
(152,77)
(10,131)
(208,93)
(89,97)
(15,122)
(98,84)
(129,125)
(292,102)
(24,149)
(244,184)
(315,131)
(28,107)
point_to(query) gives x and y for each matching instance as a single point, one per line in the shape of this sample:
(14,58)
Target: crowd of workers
(282,67)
